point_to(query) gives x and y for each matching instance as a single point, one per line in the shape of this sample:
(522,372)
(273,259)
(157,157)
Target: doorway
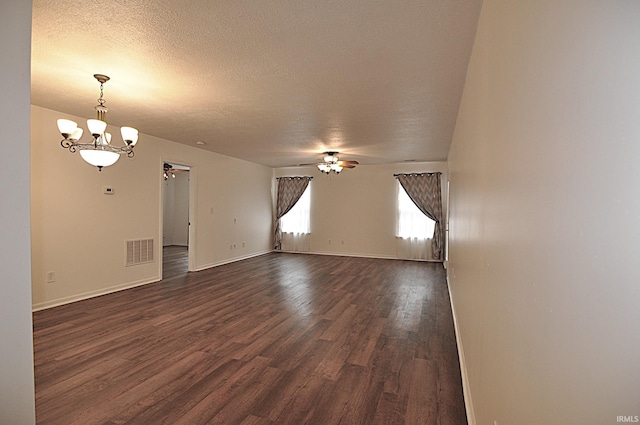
(176,240)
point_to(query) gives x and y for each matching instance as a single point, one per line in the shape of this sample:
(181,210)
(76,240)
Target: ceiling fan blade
(350,162)
(347,166)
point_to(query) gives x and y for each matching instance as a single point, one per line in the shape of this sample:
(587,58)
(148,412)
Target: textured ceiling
(272,82)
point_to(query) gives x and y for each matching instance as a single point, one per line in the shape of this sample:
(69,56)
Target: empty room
(358,212)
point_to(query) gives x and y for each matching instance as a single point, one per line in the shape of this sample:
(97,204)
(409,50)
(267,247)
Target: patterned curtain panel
(425,191)
(290,189)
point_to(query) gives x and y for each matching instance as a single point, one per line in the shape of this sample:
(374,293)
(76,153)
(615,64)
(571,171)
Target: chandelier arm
(85,146)
(108,148)
(66,143)
(121,151)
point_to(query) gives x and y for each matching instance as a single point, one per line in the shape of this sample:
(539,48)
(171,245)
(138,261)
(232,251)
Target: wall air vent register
(139,251)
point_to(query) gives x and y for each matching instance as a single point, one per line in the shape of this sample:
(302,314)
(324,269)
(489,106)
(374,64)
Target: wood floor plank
(276,339)
(422,406)
(367,341)
(256,420)
(293,379)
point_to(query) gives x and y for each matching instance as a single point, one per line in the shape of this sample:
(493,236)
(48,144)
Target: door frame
(192,210)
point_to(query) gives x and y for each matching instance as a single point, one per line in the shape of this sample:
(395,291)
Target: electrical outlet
(51,277)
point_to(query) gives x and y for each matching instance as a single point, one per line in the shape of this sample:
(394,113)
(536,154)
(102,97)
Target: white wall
(17,405)
(356,210)
(79,233)
(545,205)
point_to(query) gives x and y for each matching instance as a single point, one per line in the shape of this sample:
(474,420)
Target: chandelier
(99,152)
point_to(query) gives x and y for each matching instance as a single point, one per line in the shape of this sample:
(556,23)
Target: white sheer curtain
(414,229)
(425,190)
(296,224)
(290,189)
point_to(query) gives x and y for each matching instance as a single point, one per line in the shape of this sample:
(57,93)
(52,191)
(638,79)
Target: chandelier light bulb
(67,127)
(77,134)
(96,127)
(99,158)
(129,135)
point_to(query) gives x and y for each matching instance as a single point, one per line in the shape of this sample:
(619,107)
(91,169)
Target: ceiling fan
(333,163)
(170,170)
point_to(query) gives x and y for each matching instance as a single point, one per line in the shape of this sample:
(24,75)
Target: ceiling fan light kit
(333,164)
(168,171)
(99,152)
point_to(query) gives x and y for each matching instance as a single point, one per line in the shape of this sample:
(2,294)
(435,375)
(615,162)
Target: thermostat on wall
(108,190)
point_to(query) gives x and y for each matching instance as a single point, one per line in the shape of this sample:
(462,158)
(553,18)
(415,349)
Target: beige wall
(79,233)
(356,210)
(544,213)
(17,404)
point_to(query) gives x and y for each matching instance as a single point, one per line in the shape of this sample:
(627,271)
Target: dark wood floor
(277,339)
(175,261)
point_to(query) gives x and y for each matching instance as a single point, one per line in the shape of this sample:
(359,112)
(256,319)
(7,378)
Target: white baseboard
(231,260)
(341,254)
(91,294)
(468,403)
(351,254)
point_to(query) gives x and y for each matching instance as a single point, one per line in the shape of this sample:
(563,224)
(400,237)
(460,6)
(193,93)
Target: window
(297,220)
(412,223)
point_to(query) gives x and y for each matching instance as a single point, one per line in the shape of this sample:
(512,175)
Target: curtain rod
(416,174)
(295,177)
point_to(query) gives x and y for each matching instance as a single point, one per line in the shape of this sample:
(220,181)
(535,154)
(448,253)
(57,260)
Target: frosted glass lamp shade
(99,158)
(96,127)
(67,127)
(129,135)
(77,134)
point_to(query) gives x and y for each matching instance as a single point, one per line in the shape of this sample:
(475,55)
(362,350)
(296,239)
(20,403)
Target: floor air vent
(139,251)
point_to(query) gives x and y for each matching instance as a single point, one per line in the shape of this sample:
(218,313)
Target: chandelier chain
(101,100)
